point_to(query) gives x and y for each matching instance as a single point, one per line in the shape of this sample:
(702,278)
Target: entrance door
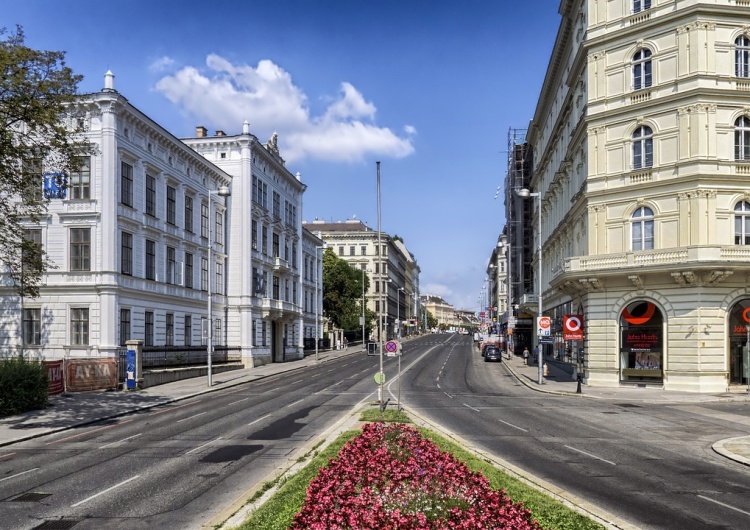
(739,343)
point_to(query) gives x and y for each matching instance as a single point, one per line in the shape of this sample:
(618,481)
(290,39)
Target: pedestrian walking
(525,356)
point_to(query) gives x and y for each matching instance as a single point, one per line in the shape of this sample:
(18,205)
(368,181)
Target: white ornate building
(641,154)
(129,243)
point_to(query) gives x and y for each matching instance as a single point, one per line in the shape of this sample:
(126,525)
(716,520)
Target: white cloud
(227,94)
(410,130)
(161,64)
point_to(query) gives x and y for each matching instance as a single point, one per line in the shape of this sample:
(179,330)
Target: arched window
(641,5)
(742,223)
(642,69)
(742,138)
(642,223)
(643,148)
(742,56)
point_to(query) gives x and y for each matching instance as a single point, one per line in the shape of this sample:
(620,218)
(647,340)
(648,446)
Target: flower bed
(390,477)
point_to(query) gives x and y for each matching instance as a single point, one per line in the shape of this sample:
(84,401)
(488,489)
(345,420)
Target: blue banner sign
(55,185)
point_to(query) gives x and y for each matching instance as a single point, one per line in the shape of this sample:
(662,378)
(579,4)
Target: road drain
(31,497)
(60,524)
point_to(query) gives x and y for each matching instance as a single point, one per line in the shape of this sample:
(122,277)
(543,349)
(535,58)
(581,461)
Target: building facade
(641,151)
(392,269)
(130,239)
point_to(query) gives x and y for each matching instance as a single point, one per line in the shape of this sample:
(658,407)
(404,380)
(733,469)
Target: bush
(23,386)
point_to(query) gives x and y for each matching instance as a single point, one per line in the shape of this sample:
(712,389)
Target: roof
(350,225)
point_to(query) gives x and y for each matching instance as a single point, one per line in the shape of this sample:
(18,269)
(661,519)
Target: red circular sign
(391,346)
(573,323)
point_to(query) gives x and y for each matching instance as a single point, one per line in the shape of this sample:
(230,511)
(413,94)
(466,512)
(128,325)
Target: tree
(36,89)
(432,322)
(342,292)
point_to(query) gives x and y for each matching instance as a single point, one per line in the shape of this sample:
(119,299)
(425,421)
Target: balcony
(280,265)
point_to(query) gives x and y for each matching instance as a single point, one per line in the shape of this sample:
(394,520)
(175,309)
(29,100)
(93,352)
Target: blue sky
(428,88)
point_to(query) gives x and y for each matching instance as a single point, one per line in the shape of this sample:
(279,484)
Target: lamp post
(364,344)
(509,306)
(398,311)
(525,194)
(381,375)
(318,270)
(223,191)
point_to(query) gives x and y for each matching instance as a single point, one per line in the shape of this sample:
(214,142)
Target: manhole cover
(31,497)
(60,524)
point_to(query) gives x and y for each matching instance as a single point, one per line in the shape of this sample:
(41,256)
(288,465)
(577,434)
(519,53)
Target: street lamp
(525,194)
(364,344)
(318,270)
(381,375)
(223,191)
(398,311)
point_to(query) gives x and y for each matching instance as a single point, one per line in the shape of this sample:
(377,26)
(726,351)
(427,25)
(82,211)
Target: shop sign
(573,327)
(641,340)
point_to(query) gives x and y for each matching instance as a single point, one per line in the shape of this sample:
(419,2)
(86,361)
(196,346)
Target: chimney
(220,133)
(201,131)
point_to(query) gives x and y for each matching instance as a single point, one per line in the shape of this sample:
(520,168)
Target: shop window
(641,342)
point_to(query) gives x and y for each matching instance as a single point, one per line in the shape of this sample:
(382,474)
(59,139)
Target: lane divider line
(259,419)
(123,440)
(19,474)
(89,432)
(472,408)
(589,454)
(105,491)
(514,426)
(722,504)
(191,417)
(204,445)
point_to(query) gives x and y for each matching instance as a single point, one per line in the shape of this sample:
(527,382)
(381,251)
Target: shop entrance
(641,343)
(739,343)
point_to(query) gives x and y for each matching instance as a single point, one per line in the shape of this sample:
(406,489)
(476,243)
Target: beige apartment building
(640,154)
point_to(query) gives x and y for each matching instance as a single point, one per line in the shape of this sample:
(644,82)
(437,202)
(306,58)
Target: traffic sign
(544,326)
(391,348)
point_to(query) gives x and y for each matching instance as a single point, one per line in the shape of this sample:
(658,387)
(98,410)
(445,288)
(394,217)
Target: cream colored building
(641,154)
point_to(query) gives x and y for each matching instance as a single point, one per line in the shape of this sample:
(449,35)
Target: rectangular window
(171,265)
(218,339)
(148,332)
(124,326)
(188,334)
(254,336)
(188,270)
(126,184)
(276,205)
(80,249)
(80,181)
(33,172)
(286,251)
(352,250)
(171,206)
(150,259)
(275,245)
(32,326)
(276,287)
(294,256)
(169,339)
(220,278)
(150,195)
(126,253)
(204,274)
(254,235)
(219,228)
(363,250)
(188,214)
(204,220)
(341,250)
(79,326)
(294,292)
(263,333)
(32,251)
(286,290)
(264,240)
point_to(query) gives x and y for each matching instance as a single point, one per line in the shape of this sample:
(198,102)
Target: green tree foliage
(36,137)
(432,322)
(342,293)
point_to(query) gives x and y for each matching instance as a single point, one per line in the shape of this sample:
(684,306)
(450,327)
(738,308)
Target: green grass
(389,415)
(279,511)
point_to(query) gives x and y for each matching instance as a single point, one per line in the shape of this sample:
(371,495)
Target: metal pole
(747,358)
(540,359)
(398,313)
(210,331)
(317,305)
(380,312)
(364,345)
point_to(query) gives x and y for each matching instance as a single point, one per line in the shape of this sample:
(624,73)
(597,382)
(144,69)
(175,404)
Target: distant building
(392,270)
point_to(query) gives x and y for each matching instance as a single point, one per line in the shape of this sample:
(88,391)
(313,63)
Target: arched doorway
(641,343)
(739,343)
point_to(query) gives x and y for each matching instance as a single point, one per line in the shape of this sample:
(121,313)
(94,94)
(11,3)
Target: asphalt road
(649,464)
(176,466)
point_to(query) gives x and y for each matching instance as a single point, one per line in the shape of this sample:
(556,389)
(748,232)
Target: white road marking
(240,401)
(191,417)
(204,445)
(89,432)
(589,454)
(472,408)
(438,385)
(724,505)
(19,474)
(105,491)
(259,419)
(295,382)
(6,455)
(511,425)
(447,394)
(123,440)
(298,401)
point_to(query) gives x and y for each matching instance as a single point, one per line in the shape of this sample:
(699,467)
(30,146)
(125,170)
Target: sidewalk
(74,410)
(560,382)
(67,411)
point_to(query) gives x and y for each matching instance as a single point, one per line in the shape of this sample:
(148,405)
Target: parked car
(493,353)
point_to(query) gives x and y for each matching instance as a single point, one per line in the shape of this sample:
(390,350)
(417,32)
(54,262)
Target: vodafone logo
(573,327)
(573,323)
